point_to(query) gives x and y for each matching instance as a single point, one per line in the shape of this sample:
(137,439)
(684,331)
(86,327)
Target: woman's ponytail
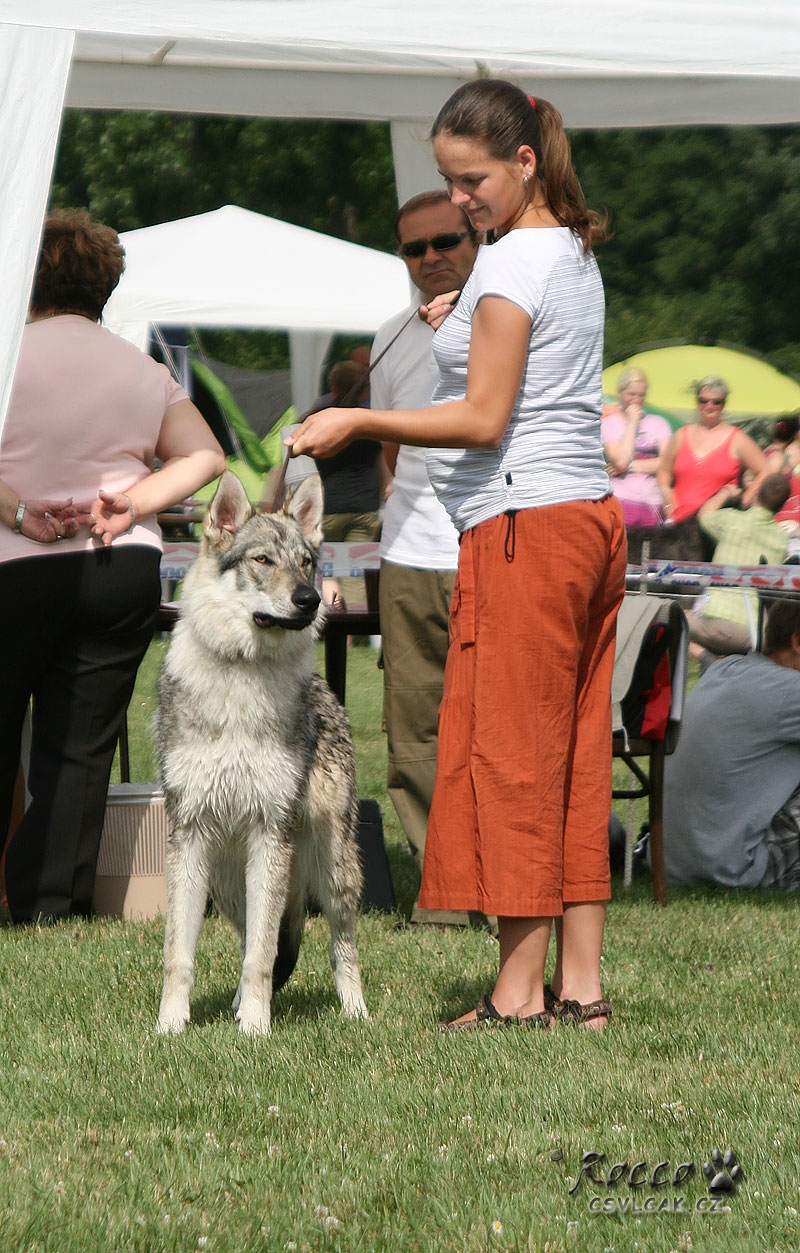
(503,118)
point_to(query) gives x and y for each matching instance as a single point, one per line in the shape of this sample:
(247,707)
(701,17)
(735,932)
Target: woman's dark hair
(80,264)
(503,118)
(343,376)
(786,428)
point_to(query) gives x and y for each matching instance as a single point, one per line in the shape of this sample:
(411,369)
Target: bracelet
(18,516)
(131,508)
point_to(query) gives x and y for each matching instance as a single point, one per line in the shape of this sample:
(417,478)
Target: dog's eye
(263,559)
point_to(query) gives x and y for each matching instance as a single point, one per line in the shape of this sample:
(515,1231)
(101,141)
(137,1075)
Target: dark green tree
(705,221)
(706,233)
(137,169)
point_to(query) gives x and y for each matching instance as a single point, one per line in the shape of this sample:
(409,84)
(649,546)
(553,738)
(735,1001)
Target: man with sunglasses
(419,544)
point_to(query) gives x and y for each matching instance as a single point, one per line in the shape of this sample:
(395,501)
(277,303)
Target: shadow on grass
(292,1003)
(405,877)
(295,1003)
(460,995)
(212,1006)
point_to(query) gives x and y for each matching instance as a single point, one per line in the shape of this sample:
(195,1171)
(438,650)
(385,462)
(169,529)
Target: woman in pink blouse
(89,418)
(633,441)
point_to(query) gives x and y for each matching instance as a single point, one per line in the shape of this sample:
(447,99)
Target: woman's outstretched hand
(324,434)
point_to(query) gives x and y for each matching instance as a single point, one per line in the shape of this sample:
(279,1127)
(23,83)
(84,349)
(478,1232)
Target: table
(340,623)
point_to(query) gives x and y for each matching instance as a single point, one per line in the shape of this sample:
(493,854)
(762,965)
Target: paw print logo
(723,1172)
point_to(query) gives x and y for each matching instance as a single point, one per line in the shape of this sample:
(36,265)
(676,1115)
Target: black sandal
(575,1014)
(552,1003)
(485,1016)
(542,1019)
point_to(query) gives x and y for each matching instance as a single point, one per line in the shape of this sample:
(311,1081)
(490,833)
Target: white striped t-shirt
(551,451)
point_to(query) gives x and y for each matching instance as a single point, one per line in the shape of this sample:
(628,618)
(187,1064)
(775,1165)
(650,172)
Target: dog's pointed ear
(228,511)
(305,507)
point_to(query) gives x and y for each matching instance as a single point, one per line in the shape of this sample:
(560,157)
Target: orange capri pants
(519,819)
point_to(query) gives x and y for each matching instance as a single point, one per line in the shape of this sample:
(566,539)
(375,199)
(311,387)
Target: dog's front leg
(187,892)
(267,873)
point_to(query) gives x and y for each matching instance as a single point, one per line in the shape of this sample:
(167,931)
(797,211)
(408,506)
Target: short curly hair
(712,383)
(80,263)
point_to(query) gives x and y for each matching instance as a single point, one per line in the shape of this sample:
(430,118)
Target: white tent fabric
(237,268)
(632,63)
(24,152)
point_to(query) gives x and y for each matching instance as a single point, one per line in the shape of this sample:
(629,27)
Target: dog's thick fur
(256,757)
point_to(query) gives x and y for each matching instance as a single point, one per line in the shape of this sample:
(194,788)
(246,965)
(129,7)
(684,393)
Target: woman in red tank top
(706,456)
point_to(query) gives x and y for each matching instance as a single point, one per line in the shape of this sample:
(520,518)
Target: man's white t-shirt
(416,529)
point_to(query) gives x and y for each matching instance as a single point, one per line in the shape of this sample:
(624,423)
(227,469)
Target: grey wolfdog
(256,758)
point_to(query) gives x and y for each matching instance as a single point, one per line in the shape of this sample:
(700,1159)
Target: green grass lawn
(385,1134)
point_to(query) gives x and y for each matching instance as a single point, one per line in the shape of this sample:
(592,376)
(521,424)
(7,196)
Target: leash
(362,378)
(276,503)
(350,394)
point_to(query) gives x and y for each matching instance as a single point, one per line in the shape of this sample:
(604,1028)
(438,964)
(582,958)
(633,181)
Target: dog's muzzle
(306,599)
(264,620)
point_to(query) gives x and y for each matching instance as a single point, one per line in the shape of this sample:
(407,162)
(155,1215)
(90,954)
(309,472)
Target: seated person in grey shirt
(732,787)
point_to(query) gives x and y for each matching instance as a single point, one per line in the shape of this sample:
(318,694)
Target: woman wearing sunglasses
(704,460)
(519,821)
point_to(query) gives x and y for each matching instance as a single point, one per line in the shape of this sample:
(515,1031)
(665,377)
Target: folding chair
(648,691)
(766,598)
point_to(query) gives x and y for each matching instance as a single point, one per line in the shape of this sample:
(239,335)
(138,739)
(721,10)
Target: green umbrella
(758,390)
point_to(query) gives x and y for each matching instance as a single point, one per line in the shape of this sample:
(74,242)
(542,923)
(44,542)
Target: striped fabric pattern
(551,452)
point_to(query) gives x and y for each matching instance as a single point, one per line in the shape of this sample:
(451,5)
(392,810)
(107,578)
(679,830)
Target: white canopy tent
(237,268)
(635,62)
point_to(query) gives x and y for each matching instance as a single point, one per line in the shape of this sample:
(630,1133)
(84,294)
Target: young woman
(518,826)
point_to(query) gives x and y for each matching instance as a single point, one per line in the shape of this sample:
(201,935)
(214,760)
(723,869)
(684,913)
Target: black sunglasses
(439,243)
(710,400)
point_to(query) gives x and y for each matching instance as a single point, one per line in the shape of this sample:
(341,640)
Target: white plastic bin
(130,868)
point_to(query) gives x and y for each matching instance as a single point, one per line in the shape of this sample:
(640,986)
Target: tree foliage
(706,227)
(706,221)
(137,169)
